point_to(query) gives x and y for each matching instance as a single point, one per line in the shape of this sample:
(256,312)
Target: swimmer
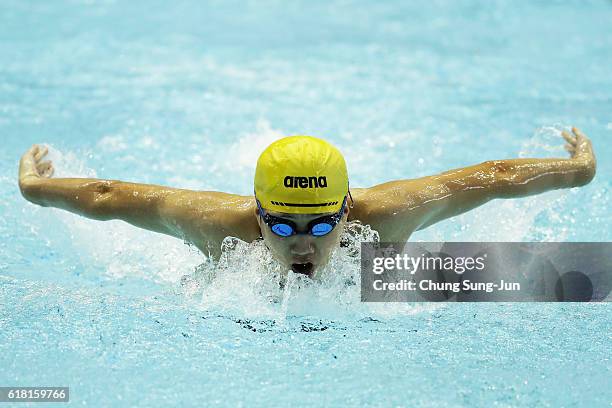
(302,200)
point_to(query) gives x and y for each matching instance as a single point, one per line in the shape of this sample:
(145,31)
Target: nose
(302,246)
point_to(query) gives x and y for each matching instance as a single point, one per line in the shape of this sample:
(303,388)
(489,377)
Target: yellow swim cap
(301,175)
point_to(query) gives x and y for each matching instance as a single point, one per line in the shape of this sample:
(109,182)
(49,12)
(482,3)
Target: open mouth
(303,268)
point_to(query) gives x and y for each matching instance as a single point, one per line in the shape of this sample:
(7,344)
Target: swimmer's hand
(203,218)
(580,148)
(31,166)
(415,204)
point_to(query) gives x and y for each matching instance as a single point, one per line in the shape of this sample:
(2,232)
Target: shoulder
(212,213)
(244,219)
(235,216)
(371,203)
(385,211)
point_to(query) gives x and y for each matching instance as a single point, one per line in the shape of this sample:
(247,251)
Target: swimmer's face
(303,253)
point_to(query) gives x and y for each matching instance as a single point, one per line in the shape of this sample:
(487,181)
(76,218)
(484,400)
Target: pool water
(188,95)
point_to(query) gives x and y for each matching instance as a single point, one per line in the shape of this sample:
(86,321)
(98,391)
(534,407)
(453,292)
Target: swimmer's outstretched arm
(203,218)
(398,208)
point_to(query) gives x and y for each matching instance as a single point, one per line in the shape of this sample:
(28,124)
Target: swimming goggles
(286,228)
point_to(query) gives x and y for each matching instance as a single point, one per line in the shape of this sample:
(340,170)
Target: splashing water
(248,281)
(122,88)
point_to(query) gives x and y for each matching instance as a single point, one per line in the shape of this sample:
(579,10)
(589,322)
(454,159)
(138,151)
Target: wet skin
(395,209)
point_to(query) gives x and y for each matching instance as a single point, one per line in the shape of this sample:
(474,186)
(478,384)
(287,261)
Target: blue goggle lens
(284,230)
(321,229)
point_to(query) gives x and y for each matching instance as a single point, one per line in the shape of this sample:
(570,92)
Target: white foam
(249,282)
(120,248)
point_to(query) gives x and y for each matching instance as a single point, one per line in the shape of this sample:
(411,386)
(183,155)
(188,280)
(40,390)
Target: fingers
(49,172)
(40,153)
(568,138)
(583,143)
(570,148)
(27,163)
(42,166)
(581,146)
(45,168)
(578,132)
(30,165)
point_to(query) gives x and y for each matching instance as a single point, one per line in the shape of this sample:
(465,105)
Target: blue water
(187,95)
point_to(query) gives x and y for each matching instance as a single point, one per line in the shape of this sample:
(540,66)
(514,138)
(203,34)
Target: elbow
(497,178)
(100,203)
(499,171)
